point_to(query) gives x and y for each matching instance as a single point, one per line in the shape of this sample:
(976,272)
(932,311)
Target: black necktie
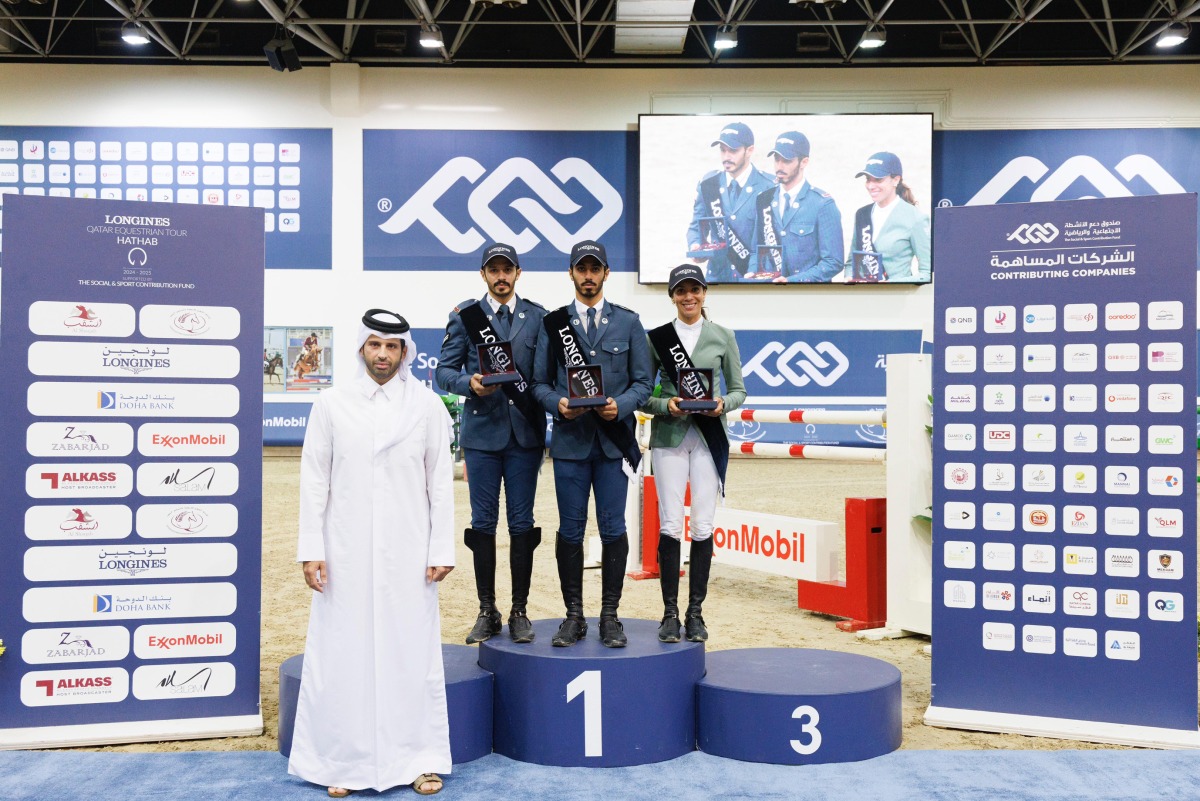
(591,325)
(735,191)
(502,321)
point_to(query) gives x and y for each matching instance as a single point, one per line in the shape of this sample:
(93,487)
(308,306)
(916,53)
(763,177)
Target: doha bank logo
(1132,171)
(542,203)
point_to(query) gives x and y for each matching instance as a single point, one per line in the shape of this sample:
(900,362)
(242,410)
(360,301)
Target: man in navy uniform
(503,434)
(798,228)
(730,194)
(592,447)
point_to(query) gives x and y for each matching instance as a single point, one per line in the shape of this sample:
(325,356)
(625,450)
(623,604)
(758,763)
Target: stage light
(133,33)
(431,35)
(873,37)
(282,56)
(726,38)
(1173,35)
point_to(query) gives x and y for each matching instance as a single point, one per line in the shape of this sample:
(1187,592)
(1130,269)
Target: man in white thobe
(376,535)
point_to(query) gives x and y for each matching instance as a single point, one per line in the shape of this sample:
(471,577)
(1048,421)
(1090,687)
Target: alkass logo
(1055,184)
(1031,234)
(775,364)
(540,211)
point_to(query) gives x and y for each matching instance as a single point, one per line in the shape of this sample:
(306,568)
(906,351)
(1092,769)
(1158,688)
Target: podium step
(797,706)
(592,706)
(468,702)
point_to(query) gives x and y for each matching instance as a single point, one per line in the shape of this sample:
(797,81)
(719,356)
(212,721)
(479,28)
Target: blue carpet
(900,776)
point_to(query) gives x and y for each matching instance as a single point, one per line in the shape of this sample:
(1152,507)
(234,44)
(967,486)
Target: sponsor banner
(82,644)
(184,640)
(78,686)
(285,423)
(189,322)
(78,319)
(105,399)
(539,191)
(102,603)
(129,561)
(187,478)
(187,439)
(286,172)
(78,522)
(73,440)
(1083,398)
(174,682)
(180,520)
(85,480)
(122,360)
(785,546)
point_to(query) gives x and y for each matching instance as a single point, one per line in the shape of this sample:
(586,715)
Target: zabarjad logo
(539,211)
(1034,233)
(1087,168)
(774,364)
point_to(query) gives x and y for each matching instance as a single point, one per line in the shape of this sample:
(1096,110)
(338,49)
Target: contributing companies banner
(433,199)
(131,500)
(817,370)
(1064,513)
(286,172)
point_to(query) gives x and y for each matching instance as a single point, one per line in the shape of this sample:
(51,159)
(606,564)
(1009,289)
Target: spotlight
(431,35)
(1173,35)
(282,56)
(133,33)
(873,37)
(726,38)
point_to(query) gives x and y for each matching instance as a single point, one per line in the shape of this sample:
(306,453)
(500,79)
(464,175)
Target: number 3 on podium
(809,728)
(587,684)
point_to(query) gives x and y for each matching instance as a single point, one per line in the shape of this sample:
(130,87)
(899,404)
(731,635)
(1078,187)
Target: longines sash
(566,352)
(672,355)
(480,332)
(764,219)
(865,262)
(739,252)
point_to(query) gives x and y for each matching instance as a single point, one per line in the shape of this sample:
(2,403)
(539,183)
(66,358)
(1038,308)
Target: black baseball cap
(500,249)
(685,272)
(588,247)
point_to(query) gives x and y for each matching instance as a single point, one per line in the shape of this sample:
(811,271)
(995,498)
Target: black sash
(765,220)
(566,351)
(739,253)
(480,332)
(673,355)
(868,267)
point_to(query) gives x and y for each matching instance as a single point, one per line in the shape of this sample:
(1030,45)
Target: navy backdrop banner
(1064,472)
(288,172)
(130,511)
(432,199)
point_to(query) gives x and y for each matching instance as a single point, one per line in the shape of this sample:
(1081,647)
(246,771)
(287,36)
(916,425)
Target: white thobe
(377,505)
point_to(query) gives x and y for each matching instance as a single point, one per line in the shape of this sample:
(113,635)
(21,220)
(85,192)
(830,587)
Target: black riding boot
(668,570)
(520,561)
(483,547)
(569,556)
(613,558)
(701,563)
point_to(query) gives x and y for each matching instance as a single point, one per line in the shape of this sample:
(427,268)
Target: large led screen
(786,198)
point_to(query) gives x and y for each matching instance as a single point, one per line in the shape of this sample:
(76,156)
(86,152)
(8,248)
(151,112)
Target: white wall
(348,99)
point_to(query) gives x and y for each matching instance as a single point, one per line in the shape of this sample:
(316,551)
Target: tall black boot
(520,562)
(701,563)
(668,576)
(569,556)
(613,558)
(483,548)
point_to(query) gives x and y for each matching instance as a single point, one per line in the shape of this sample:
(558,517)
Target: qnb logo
(541,211)
(1056,184)
(776,364)
(1032,234)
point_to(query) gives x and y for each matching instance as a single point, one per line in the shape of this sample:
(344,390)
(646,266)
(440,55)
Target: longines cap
(685,272)
(588,247)
(790,145)
(881,165)
(502,250)
(735,135)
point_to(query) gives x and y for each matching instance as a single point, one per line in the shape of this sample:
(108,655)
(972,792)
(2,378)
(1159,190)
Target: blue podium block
(592,706)
(468,703)
(797,706)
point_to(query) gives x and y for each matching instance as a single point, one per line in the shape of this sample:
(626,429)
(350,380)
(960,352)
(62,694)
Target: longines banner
(1064,469)
(432,199)
(287,172)
(130,498)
